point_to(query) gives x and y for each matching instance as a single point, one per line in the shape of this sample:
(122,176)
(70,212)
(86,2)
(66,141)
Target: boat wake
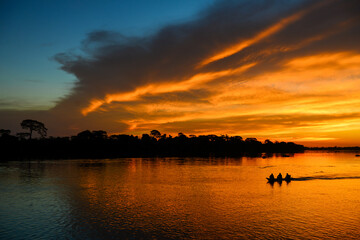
(324,178)
(266,167)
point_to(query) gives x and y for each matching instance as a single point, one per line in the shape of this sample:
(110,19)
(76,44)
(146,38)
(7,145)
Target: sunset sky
(287,70)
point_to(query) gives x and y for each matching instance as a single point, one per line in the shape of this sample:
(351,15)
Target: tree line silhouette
(98,144)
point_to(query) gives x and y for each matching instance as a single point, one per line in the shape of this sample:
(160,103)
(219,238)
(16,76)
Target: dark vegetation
(98,144)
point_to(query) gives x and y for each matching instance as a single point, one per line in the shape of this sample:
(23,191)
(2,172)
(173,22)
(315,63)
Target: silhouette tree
(34,125)
(84,135)
(181,135)
(251,140)
(145,137)
(23,135)
(4,132)
(99,134)
(155,133)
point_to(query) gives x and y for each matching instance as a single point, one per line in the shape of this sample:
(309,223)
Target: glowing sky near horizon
(281,70)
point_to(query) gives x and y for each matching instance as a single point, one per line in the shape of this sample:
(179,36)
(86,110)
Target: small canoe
(278,180)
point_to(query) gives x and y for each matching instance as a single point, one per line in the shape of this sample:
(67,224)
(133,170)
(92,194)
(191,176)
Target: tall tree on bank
(34,125)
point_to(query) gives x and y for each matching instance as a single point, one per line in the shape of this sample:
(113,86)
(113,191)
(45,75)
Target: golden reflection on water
(214,198)
(226,198)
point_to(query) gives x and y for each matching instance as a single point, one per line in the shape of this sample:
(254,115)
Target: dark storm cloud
(113,63)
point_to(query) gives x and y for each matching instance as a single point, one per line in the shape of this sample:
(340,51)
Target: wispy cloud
(268,31)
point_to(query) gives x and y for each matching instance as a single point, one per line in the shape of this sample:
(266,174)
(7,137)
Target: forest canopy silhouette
(98,144)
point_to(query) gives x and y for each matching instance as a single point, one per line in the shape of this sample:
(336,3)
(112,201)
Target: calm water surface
(182,198)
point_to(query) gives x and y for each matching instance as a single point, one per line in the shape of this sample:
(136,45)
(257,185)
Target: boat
(357,155)
(279,180)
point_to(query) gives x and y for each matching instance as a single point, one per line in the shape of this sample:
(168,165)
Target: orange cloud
(94,104)
(193,82)
(260,36)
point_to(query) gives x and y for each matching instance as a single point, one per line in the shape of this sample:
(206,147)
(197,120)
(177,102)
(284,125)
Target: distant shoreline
(333,149)
(98,145)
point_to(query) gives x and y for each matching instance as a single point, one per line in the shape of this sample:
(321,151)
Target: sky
(286,70)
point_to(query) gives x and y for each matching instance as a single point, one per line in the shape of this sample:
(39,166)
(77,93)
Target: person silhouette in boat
(271,178)
(288,177)
(279,177)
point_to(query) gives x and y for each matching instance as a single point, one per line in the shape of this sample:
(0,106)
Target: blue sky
(32,32)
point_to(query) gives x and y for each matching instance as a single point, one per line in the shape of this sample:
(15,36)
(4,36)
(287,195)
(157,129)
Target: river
(182,198)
